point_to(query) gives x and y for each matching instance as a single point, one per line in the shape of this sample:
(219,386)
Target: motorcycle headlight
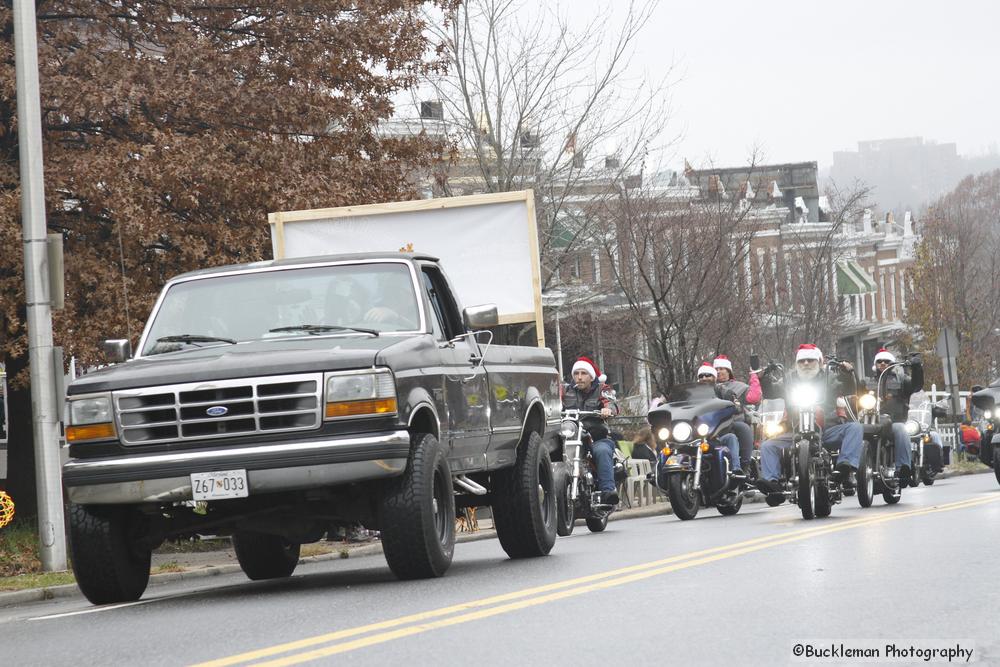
(867,402)
(703,430)
(663,433)
(90,418)
(568,428)
(804,396)
(988,414)
(772,429)
(364,394)
(682,431)
(912,427)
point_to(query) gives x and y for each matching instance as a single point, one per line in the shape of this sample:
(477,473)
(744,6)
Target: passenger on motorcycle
(708,375)
(896,388)
(742,394)
(809,370)
(587,392)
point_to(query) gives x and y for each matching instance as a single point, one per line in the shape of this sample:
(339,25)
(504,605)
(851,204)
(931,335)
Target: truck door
(465,381)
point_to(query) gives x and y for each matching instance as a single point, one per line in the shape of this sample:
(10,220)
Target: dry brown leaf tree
(171,129)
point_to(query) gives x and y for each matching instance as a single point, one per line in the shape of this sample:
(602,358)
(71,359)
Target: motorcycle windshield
(771,410)
(920,409)
(691,391)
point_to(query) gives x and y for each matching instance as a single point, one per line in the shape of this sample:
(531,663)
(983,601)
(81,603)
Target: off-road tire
(996,465)
(417,514)
(263,556)
(109,564)
(683,497)
(524,507)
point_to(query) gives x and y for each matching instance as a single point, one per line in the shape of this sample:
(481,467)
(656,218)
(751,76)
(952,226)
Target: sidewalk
(192,565)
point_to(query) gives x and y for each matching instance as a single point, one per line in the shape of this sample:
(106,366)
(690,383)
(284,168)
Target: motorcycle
(692,468)
(807,474)
(925,455)
(986,400)
(577,479)
(877,472)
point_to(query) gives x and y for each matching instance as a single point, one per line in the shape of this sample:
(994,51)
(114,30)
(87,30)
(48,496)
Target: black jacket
(896,389)
(594,400)
(829,385)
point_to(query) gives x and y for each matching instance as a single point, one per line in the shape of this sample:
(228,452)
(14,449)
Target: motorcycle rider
(896,388)
(742,394)
(588,392)
(708,375)
(829,385)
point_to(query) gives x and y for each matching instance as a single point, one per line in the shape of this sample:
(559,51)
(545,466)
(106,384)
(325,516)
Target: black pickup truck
(273,401)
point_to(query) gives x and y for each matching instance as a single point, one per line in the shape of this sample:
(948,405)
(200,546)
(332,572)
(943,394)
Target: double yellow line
(321,646)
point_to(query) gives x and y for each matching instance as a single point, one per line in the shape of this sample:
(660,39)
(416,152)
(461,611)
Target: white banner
(487,244)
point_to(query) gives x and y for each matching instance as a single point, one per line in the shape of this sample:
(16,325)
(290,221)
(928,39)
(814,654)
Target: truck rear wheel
(418,514)
(263,556)
(524,509)
(109,563)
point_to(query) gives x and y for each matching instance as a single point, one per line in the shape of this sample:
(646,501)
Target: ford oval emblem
(216,411)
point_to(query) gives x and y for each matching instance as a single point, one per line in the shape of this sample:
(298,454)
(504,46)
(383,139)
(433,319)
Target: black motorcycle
(692,468)
(987,400)
(925,456)
(576,477)
(877,472)
(807,466)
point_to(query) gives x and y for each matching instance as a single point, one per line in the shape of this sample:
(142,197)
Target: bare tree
(533,103)
(956,277)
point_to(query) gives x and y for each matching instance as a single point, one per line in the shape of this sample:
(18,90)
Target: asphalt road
(746,589)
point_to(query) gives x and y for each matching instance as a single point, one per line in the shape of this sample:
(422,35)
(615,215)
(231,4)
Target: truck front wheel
(524,509)
(263,556)
(418,514)
(109,561)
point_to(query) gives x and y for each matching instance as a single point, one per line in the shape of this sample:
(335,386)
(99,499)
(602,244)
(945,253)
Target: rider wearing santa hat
(895,387)
(836,429)
(588,392)
(742,394)
(708,375)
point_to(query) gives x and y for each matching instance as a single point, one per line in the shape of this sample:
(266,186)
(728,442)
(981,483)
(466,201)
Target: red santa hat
(808,351)
(707,369)
(587,365)
(722,361)
(884,354)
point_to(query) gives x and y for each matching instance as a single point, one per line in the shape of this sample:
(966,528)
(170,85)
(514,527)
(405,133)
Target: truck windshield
(351,299)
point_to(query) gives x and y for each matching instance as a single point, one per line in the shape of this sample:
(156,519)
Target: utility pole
(44,418)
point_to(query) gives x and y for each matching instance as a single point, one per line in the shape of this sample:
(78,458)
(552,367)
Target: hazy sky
(801,79)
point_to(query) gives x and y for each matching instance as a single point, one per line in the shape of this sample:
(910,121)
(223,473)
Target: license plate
(219,484)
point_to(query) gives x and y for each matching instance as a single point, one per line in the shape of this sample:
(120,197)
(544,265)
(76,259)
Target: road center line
(424,621)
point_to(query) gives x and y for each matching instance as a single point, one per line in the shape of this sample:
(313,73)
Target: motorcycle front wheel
(683,496)
(804,493)
(866,477)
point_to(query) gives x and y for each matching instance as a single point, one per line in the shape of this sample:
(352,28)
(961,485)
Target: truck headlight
(682,432)
(912,427)
(90,418)
(360,394)
(867,402)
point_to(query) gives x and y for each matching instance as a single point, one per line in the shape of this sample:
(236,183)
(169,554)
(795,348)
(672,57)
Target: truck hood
(251,359)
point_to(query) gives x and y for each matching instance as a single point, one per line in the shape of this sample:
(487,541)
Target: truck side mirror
(481,317)
(117,350)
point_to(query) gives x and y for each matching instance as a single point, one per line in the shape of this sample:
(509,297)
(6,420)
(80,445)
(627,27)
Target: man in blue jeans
(588,392)
(810,375)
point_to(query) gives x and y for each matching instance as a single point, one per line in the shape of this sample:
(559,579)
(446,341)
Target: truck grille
(221,409)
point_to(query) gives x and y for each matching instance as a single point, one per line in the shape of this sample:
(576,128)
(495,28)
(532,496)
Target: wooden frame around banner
(278,220)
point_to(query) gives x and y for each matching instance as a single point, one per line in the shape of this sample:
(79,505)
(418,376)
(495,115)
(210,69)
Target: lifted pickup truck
(272,401)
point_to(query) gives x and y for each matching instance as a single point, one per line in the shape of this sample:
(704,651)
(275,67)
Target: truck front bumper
(285,466)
